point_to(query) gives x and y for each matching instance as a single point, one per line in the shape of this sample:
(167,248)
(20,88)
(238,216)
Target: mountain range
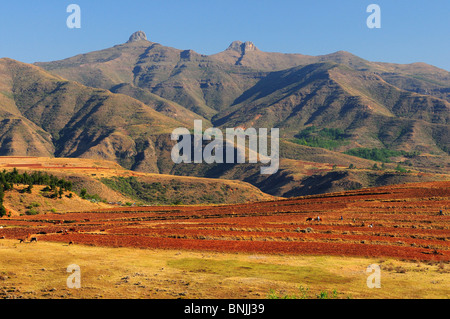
(122,103)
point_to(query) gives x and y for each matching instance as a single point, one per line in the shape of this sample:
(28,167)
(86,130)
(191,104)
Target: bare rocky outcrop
(138,36)
(242,47)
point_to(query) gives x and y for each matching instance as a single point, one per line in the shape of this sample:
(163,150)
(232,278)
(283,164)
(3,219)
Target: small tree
(29,189)
(400,169)
(2,210)
(83,193)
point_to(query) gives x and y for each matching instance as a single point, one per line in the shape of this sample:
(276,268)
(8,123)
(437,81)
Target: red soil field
(405,223)
(56,167)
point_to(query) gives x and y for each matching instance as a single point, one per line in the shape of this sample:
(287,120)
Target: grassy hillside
(17,202)
(108,183)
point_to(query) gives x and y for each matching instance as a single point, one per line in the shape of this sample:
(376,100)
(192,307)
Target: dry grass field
(38,270)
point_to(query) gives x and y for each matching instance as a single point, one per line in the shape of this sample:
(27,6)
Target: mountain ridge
(126,88)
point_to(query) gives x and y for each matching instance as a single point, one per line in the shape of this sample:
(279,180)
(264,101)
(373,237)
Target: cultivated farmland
(402,222)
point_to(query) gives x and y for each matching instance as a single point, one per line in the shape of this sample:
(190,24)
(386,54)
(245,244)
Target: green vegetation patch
(235,268)
(55,186)
(168,193)
(131,187)
(329,138)
(379,154)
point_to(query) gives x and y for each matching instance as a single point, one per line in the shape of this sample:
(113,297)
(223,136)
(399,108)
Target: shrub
(272,294)
(2,211)
(29,189)
(322,295)
(33,205)
(32,211)
(177,202)
(400,169)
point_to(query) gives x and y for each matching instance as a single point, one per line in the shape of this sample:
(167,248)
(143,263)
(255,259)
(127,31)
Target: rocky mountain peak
(137,36)
(242,47)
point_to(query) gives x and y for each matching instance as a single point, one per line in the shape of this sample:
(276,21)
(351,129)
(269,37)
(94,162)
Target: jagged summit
(138,36)
(242,47)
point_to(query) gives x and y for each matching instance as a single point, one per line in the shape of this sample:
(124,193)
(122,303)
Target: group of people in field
(319,219)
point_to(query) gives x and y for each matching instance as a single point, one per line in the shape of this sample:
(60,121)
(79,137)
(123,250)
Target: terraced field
(402,221)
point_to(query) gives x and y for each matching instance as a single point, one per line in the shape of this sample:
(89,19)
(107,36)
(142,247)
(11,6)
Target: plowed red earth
(406,224)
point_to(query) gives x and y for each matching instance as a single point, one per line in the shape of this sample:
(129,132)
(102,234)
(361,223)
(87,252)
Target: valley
(89,178)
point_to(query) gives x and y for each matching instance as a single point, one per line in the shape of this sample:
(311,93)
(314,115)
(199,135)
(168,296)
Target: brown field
(405,225)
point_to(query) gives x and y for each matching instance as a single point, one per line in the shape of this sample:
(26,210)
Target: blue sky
(411,31)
